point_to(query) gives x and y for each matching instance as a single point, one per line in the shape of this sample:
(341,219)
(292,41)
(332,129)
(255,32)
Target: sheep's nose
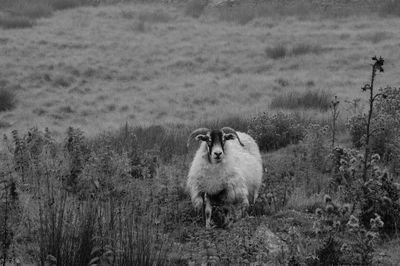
(218,154)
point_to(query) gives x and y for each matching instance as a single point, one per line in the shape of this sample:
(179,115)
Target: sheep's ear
(229,136)
(202,138)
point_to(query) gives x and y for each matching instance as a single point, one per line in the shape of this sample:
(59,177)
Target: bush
(7,98)
(316,99)
(385,125)
(275,131)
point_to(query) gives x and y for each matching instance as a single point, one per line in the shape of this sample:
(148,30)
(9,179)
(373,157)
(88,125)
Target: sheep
(227,165)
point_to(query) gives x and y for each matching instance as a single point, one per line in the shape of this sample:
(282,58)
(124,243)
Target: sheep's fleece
(239,173)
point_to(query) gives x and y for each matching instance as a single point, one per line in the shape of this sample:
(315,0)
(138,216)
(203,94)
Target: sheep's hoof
(210,225)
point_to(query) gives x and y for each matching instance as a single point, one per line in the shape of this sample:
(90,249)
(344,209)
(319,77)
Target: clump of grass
(195,8)
(241,13)
(33,9)
(313,99)
(305,48)
(7,99)
(65,4)
(280,51)
(390,8)
(15,22)
(277,52)
(375,37)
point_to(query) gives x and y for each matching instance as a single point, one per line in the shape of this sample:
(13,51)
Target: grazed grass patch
(313,99)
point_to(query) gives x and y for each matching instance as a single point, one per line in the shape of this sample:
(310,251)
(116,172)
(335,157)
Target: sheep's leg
(197,199)
(240,201)
(207,209)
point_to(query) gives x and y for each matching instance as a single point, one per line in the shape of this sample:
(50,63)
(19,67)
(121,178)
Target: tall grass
(280,50)
(195,8)
(24,13)
(7,98)
(312,99)
(15,22)
(391,8)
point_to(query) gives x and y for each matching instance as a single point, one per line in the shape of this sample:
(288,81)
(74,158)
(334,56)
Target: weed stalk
(377,66)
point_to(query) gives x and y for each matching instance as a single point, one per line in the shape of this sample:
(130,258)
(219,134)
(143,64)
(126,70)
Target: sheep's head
(215,140)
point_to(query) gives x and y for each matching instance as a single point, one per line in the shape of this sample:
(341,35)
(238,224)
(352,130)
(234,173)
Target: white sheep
(227,164)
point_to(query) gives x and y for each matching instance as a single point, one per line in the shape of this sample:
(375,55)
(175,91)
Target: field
(97,102)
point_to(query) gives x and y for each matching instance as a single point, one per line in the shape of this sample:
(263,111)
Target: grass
(156,16)
(15,22)
(390,8)
(281,51)
(277,52)
(8,99)
(311,99)
(149,70)
(195,8)
(24,13)
(66,4)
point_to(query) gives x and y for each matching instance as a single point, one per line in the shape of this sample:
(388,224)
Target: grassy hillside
(99,67)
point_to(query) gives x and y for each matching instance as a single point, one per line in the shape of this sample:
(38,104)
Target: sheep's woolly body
(239,173)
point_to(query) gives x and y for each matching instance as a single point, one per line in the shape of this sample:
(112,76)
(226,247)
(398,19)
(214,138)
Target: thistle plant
(377,66)
(335,114)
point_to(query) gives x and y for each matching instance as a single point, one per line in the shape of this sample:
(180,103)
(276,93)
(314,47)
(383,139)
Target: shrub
(385,124)
(357,126)
(15,22)
(378,195)
(7,99)
(194,8)
(277,130)
(316,99)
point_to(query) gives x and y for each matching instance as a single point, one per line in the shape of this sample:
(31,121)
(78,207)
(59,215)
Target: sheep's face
(215,141)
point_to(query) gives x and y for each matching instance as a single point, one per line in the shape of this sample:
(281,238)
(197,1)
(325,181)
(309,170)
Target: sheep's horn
(197,132)
(231,130)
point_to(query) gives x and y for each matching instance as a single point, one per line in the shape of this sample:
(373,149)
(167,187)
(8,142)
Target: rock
(264,237)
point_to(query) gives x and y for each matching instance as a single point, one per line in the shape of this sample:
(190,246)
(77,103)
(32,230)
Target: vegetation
(7,99)
(310,99)
(330,196)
